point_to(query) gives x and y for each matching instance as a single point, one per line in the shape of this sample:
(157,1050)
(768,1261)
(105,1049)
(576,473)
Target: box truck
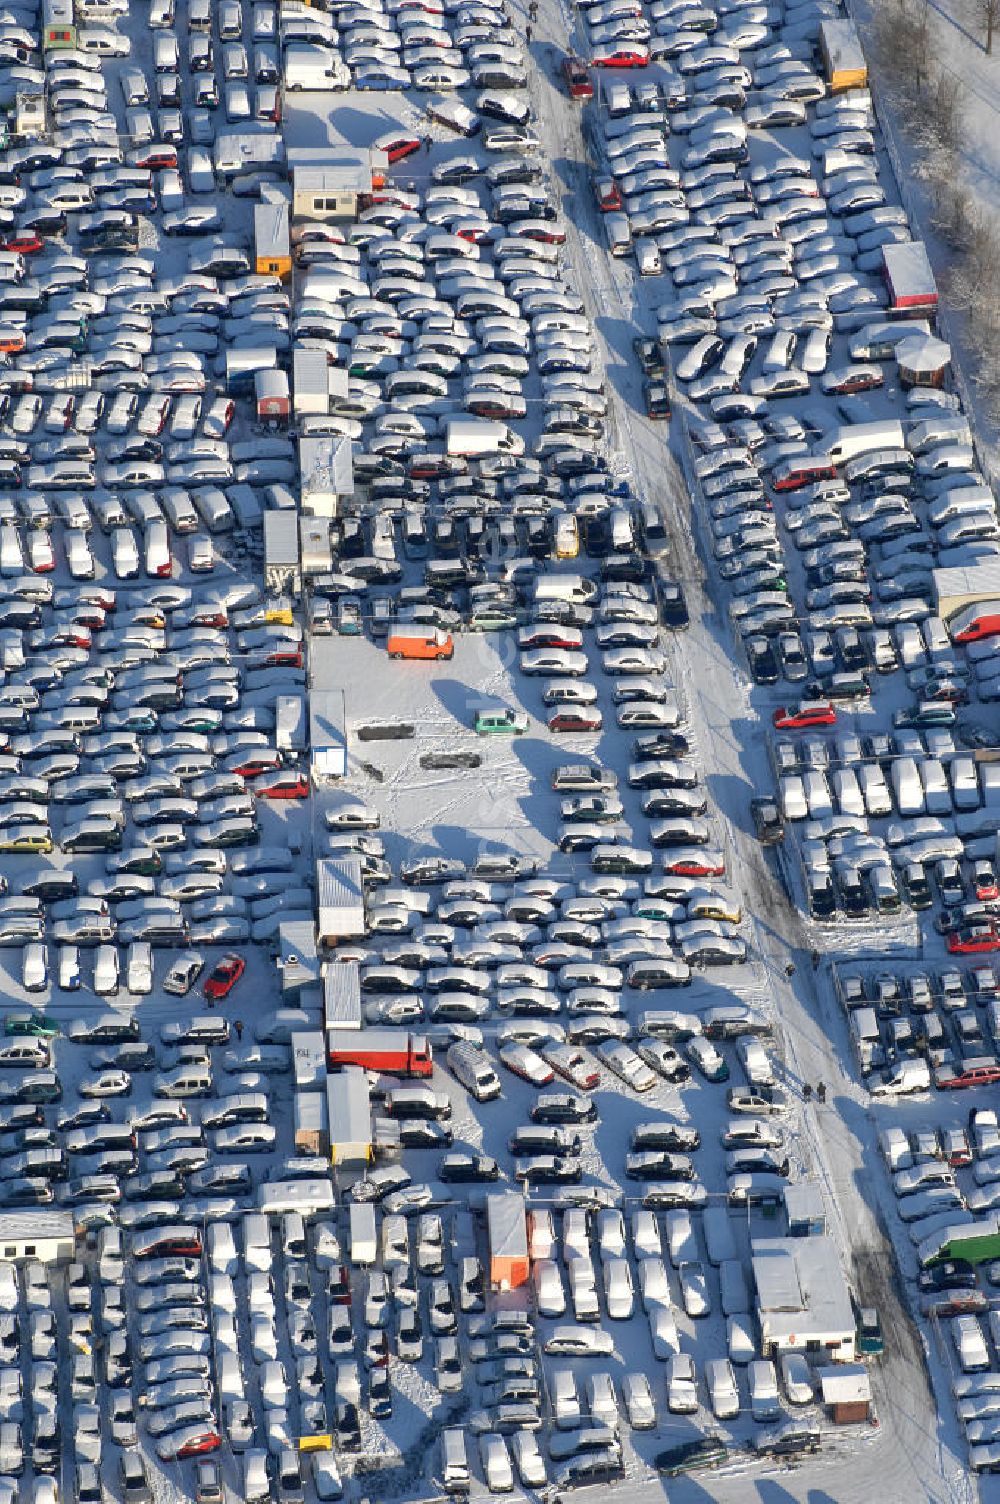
(390,1051)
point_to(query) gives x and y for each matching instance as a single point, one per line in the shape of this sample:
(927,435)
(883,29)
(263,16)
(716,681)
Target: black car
(466,1168)
(822,898)
(649,355)
(415,1133)
(379,1394)
(956,1274)
(705,1451)
(767,822)
(762,659)
(673,604)
(348,1427)
(661,744)
(787,1441)
(563,1107)
(547,1169)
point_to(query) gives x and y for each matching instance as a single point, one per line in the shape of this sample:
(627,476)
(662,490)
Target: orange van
(420,642)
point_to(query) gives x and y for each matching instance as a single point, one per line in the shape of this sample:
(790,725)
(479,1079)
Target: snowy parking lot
(498,622)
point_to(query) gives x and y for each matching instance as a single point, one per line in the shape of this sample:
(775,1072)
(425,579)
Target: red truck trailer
(394,1052)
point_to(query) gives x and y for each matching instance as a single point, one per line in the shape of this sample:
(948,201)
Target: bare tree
(989,15)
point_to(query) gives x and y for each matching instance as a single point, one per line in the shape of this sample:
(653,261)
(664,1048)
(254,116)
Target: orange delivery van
(420,642)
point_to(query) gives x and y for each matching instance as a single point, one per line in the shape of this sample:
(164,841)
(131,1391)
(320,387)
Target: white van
(221,1248)
(140,967)
(157,551)
(647,257)
(256,1479)
(970,1344)
(124,553)
(35,967)
(257,1255)
(78,555)
(619,234)
(110,1256)
(472,1069)
(764,1402)
(106,970)
(165,54)
(496,1463)
(565,587)
(455,1477)
(565,1400)
(724,1396)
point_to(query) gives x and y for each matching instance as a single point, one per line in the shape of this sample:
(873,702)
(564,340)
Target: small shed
(341,899)
(909,278)
(327,735)
(297,958)
(847,1391)
(282,569)
(272,397)
(332,190)
(311,1135)
(326,471)
(507,1232)
(804,1209)
(349,1116)
(342,995)
(923,360)
(315,549)
(45,1235)
(843,57)
(308,1059)
(29,116)
(310,382)
(966,585)
(272,247)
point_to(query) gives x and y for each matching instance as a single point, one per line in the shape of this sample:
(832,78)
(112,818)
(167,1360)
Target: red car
(548,637)
(621,57)
(398,147)
(24,241)
(286,785)
(576,718)
(224,976)
(689,861)
(608,195)
(157,155)
(806,713)
(974,940)
(255,763)
(576,78)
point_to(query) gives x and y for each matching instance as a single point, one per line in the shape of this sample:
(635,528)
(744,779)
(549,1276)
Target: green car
(870,1341)
(706,1451)
(35,1025)
(501,722)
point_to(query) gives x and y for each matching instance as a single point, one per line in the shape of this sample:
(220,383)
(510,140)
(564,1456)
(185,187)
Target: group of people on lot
(807,1092)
